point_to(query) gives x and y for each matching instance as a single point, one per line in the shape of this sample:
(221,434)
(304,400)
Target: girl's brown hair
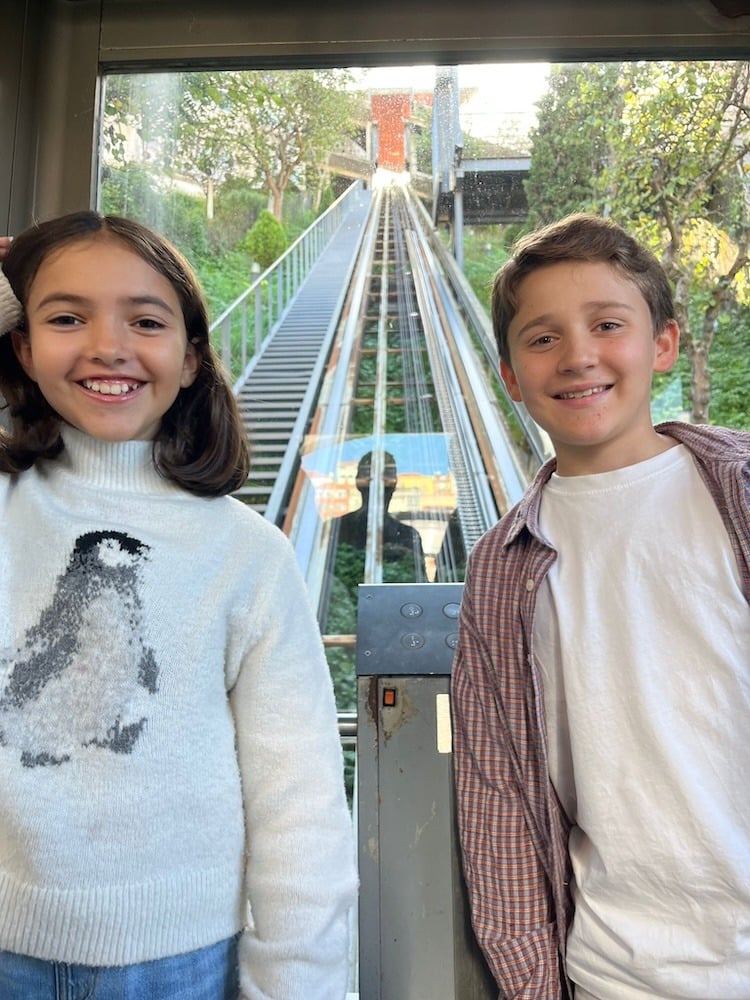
(201,445)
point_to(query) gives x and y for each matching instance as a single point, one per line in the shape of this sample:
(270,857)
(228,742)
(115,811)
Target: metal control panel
(415,934)
(407,628)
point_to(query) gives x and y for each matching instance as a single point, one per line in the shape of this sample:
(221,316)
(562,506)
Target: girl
(172,808)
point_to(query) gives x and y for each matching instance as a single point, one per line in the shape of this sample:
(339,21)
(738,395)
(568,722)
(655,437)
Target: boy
(601,692)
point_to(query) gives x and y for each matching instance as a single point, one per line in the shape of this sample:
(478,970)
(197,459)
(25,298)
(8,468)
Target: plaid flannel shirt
(514,832)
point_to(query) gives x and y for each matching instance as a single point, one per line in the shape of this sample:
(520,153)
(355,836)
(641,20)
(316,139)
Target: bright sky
(505,86)
(505,99)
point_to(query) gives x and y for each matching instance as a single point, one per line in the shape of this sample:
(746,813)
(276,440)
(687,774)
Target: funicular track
(387,353)
(403,362)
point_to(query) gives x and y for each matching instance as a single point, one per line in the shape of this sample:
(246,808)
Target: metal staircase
(278,395)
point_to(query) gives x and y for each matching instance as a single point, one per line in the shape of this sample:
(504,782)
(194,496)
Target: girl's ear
(190,366)
(22,349)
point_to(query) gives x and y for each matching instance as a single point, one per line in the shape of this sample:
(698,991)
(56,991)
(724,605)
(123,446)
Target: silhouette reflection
(401,546)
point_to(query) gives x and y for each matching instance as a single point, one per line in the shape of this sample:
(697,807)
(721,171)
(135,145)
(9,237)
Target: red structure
(391,112)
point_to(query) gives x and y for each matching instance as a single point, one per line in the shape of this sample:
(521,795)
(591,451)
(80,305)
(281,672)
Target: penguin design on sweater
(78,680)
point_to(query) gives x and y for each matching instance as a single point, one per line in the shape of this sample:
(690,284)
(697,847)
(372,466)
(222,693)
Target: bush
(267,240)
(236,209)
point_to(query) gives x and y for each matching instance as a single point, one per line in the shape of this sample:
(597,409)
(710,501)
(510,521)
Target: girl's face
(106,340)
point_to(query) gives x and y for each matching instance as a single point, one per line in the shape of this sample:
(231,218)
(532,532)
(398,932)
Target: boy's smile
(107,343)
(583,352)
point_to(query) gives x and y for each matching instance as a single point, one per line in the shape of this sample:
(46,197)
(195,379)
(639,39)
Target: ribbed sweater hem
(120,924)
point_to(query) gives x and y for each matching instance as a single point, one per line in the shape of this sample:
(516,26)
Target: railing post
(258,337)
(226,344)
(243,335)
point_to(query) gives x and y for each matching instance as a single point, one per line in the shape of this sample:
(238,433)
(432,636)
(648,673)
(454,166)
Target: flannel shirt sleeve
(508,887)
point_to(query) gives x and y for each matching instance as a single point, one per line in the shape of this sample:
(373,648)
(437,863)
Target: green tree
(570,143)
(140,121)
(677,176)
(287,121)
(667,149)
(266,241)
(205,145)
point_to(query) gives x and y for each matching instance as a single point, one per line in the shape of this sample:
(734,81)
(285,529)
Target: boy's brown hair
(579,237)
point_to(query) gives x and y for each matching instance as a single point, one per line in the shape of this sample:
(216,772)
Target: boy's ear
(667,345)
(190,366)
(22,350)
(511,383)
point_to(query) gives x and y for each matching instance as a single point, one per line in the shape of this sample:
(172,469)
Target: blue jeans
(207,974)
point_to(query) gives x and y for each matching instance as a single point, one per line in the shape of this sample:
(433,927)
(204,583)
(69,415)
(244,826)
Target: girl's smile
(106,342)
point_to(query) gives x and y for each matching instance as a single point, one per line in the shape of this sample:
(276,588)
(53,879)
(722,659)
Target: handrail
(477,319)
(242,331)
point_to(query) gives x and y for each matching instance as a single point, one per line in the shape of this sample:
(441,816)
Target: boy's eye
(608,325)
(542,341)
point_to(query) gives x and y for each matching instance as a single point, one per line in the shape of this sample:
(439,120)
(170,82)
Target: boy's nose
(578,353)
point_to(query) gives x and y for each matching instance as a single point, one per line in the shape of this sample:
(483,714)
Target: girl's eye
(65,319)
(608,325)
(149,325)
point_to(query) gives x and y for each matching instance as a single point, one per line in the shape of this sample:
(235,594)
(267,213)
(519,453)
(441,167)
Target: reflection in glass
(400,544)
(388,505)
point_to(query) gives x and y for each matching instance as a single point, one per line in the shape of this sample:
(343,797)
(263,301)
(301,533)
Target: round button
(412,640)
(451,610)
(451,640)
(411,610)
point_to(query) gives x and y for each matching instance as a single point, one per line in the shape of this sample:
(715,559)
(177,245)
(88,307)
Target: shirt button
(530,584)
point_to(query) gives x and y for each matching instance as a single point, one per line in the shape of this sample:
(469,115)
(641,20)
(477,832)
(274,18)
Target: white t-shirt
(643,637)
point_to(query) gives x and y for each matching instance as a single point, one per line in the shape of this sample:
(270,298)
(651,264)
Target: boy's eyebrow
(546,318)
(82,300)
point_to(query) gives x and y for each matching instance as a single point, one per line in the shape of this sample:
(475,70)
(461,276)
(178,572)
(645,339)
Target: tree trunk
(210,199)
(700,385)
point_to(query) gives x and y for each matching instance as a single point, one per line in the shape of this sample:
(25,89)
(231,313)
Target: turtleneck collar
(112,465)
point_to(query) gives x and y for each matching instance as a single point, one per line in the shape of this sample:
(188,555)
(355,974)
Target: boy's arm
(508,886)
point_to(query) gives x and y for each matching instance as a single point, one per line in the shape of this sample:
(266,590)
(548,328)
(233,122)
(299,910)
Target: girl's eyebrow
(69,298)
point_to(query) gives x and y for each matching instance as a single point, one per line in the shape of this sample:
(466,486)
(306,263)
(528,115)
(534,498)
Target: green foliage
(662,148)
(237,207)
(485,250)
(266,241)
(223,267)
(287,122)
(130,191)
(730,370)
(570,144)
(223,278)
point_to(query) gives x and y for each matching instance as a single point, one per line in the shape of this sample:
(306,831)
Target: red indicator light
(389,697)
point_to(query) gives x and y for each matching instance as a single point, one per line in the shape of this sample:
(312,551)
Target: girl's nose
(107,343)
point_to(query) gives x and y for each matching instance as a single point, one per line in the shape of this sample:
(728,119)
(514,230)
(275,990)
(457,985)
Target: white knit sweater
(168,740)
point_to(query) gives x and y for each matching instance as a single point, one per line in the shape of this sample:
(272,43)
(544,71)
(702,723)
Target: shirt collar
(526,515)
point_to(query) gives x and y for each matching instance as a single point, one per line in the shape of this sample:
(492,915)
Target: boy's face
(582,352)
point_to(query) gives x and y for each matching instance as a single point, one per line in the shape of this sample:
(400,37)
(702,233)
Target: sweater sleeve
(301,875)
(508,887)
